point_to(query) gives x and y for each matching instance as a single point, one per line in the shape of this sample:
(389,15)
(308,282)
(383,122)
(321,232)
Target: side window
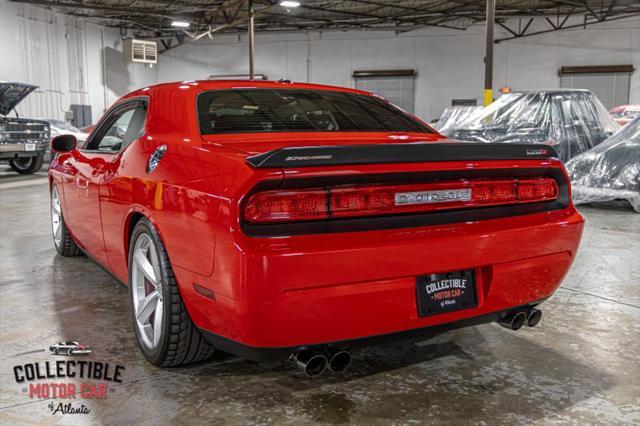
(123,127)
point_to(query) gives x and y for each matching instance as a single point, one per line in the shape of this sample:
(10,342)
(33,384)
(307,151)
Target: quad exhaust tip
(310,362)
(534,317)
(339,359)
(513,321)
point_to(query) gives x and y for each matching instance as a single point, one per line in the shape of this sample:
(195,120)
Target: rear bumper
(274,295)
(271,354)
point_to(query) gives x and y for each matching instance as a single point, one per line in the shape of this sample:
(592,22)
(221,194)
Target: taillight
(375,200)
(541,189)
(287,206)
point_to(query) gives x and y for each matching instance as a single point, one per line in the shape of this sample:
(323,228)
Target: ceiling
(152,19)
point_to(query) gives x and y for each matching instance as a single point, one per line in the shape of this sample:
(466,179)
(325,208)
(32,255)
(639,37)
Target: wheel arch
(130,222)
(132,217)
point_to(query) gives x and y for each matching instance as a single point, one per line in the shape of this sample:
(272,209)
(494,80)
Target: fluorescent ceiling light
(289,3)
(180,24)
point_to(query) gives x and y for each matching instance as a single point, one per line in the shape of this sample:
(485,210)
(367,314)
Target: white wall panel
(449,63)
(64,55)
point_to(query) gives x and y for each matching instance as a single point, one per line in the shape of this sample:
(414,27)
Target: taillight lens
(540,189)
(375,200)
(287,206)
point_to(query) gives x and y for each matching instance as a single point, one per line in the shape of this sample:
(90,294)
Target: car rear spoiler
(397,153)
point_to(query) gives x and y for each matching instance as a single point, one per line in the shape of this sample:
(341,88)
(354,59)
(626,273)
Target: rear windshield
(291,110)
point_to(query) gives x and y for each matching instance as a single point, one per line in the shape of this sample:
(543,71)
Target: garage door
(612,88)
(398,87)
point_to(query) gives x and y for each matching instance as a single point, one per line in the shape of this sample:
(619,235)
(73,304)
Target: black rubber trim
(272,354)
(406,220)
(398,153)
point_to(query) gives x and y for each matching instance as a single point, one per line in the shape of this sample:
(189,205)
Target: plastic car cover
(609,171)
(454,116)
(572,121)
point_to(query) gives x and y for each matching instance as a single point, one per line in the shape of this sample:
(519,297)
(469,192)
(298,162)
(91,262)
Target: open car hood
(12,93)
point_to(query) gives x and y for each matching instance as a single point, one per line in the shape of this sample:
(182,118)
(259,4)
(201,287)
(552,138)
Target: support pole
(252,46)
(488,53)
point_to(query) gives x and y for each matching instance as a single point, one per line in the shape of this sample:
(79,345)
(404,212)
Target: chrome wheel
(56,217)
(147,291)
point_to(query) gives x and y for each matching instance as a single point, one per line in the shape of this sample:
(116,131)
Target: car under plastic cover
(453,116)
(572,121)
(610,170)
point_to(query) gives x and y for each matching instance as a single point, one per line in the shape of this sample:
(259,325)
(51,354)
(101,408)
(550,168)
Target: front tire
(28,165)
(62,240)
(165,333)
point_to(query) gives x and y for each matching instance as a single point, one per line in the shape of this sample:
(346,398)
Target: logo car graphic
(70,348)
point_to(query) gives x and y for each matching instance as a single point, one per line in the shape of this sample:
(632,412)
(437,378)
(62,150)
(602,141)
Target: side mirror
(63,143)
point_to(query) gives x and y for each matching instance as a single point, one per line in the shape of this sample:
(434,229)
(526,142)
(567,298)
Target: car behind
(23,141)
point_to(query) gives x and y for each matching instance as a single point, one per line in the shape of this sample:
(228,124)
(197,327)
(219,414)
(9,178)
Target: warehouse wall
(449,63)
(65,56)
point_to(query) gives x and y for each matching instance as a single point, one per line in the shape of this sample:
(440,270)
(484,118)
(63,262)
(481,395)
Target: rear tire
(62,240)
(28,165)
(165,333)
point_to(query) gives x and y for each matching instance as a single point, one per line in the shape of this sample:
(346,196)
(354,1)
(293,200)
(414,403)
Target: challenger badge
(427,197)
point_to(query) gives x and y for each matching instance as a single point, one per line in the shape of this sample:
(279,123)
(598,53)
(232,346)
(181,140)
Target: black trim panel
(370,223)
(398,153)
(271,354)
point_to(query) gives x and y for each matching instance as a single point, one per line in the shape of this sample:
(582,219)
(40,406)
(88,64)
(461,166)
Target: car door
(87,167)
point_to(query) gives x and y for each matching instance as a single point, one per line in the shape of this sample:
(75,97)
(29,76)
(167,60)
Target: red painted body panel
(305,289)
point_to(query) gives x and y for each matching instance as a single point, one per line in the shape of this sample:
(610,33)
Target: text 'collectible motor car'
(23,141)
(273,220)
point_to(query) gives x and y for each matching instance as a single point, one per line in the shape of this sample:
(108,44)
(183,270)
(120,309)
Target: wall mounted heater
(140,51)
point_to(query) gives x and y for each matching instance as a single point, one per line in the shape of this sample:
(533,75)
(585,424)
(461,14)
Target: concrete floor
(580,366)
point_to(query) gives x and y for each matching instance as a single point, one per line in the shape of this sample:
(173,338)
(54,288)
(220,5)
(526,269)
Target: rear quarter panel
(182,197)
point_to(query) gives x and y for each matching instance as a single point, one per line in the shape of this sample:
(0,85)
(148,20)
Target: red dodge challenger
(272,220)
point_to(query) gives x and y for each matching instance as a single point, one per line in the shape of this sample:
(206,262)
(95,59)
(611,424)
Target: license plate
(451,291)
(29,146)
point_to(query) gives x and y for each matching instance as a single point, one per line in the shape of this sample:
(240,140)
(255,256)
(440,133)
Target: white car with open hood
(23,141)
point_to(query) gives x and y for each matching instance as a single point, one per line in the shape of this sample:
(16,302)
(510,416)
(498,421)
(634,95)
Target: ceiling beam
(583,24)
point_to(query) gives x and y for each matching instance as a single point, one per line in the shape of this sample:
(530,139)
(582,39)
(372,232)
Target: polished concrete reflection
(580,365)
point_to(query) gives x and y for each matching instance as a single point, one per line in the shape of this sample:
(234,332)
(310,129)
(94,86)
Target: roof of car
(204,85)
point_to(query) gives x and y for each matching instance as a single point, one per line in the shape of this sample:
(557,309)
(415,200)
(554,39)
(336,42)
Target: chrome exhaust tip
(339,359)
(534,317)
(310,362)
(513,321)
